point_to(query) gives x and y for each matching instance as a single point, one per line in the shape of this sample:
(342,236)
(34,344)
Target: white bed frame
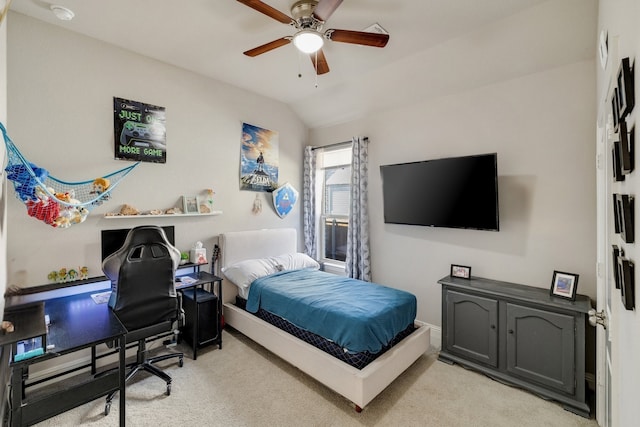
(359,386)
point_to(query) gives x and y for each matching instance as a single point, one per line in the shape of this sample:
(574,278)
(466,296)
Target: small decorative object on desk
(198,254)
(68,275)
(564,285)
(184,258)
(461,271)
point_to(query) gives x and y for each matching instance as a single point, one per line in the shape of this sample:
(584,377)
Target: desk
(202,278)
(77,322)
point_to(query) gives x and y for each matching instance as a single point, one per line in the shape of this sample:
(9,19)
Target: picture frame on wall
(627,284)
(625,208)
(564,285)
(616,217)
(627,148)
(616,157)
(461,271)
(615,109)
(617,253)
(190,205)
(625,82)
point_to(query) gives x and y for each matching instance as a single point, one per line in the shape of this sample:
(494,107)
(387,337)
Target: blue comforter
(358,316)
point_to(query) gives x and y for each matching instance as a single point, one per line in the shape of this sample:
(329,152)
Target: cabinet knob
(511,331)
(493,326)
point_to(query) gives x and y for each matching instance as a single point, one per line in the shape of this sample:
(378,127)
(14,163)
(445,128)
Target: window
(335,173)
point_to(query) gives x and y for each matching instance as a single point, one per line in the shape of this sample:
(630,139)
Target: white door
(605,317)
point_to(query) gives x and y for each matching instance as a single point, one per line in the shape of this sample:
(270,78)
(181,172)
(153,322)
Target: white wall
(542,127)
(620,19)
(60,96)
(3,119)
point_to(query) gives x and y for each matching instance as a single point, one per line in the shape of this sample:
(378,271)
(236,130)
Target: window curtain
(358,261)
(310,218)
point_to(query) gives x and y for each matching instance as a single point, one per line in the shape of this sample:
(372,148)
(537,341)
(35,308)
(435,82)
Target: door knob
(597,318)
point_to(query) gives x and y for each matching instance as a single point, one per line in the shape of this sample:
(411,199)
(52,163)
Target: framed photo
(461,271)
(627,285)
(190,204)
(625,89)
(564,285)
(625,208)
(627,148)
(616,156)
(616,215)
(615,109)
(617,253)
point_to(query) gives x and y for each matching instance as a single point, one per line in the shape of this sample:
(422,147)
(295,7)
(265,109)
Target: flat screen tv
(455,192)
(112,240)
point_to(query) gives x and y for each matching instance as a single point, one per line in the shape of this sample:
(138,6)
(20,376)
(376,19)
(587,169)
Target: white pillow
(243,273)
(295,261)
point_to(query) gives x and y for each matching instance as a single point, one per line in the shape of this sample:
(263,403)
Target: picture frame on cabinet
(627,148)
(564,285)
(190,204)
(461,271)
(625,207)
(627,285)
(625,97)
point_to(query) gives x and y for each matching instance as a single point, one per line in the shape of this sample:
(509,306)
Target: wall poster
(258,159)
(139,130)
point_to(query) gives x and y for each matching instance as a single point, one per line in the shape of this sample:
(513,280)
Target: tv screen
(112,240)
(456,192)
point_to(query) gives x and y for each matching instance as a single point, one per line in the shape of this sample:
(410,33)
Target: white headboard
(241,245)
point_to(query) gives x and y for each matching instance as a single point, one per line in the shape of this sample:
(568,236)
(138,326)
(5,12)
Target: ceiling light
(308,41)
(62,13)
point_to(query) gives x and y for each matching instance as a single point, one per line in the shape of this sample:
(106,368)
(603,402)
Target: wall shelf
(214,213)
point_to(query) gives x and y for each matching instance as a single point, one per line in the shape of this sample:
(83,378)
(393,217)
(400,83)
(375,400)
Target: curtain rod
(337,143)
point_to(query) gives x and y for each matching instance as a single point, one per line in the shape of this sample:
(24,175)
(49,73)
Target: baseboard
(436,338)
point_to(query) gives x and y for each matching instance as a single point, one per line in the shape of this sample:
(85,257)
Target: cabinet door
(472,327)
(541,347)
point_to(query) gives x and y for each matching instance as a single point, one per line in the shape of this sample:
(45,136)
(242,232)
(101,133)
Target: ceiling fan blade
(268,46)
(358,37)
(319,64)
(267,10)
(325,8)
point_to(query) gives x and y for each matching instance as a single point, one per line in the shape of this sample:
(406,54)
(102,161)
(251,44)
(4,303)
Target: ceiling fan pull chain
(299,72)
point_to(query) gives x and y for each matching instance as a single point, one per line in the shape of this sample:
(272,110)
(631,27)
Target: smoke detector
(62,13)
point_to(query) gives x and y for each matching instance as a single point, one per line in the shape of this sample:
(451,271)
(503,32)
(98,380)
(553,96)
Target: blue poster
(258,159)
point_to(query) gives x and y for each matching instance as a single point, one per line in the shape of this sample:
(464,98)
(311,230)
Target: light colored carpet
(245,385)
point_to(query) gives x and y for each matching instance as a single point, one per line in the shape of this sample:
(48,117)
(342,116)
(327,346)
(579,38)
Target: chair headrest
(146,234)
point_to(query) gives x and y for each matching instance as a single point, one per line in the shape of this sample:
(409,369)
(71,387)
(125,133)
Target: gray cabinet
(519,335)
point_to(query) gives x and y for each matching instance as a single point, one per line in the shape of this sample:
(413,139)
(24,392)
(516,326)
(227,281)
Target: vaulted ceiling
(436,47)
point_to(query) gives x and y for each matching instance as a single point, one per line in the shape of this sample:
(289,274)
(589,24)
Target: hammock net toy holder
(51,200)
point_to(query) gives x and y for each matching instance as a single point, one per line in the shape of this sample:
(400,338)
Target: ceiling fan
(309,16)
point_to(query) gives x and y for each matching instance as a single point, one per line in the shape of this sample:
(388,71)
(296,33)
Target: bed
(359,385)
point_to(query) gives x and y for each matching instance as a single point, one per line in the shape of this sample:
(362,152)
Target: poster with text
(258,159)
(139,130)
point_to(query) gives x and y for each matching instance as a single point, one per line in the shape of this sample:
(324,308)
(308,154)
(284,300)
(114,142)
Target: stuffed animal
(46,211)
(100,185)
(24,183)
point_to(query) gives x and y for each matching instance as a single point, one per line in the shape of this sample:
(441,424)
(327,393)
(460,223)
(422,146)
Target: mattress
(358,360)
(358,316)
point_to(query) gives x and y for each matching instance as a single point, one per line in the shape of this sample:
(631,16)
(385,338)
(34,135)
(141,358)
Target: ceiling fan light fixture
(308,41)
